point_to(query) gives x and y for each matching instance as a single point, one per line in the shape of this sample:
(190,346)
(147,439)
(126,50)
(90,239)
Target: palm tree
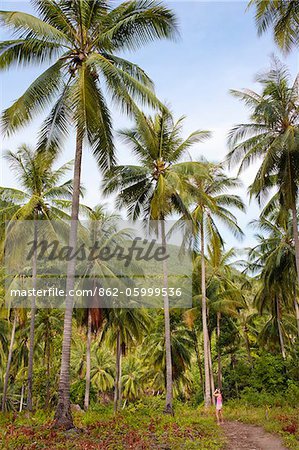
(17,354)
(279,215)
(192,319)
(154,189)
(41,197)
(273,260)
(155,355)
(84,37)
(48,326)
(6,378)
(210,196)
(223,291)
(133,377)
(102,368)
(124,327)
(102,230)
(271,136)
(283,16)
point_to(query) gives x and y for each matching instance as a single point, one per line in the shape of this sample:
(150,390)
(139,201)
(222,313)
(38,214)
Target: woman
(219,415)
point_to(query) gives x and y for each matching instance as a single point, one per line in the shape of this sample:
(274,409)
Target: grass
(139,427)
(143,426)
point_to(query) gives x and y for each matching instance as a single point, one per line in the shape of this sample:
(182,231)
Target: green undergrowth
(143,426)
(140,427)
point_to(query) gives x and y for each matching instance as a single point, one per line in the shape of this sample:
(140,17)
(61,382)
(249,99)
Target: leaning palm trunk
(219,375)
(12,338)
(168,406)
(296,238)
(204,321)
(32,318)
(117,373)
(63,416)
(88,344)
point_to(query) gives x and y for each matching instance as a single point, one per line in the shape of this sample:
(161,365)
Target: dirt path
(242,436)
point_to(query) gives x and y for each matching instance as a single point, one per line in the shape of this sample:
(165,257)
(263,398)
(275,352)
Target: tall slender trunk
(6,378)
(204,320)
(88,344)
(63,416)
(278,315)
(47,354)
(234,363)
(296,238)
(198,362)
(296,241)
(22,397)
(247,344)
(119,380)
(117,372)
(212,384)
(32,318)
(219,375)
(296,312)
(168,405)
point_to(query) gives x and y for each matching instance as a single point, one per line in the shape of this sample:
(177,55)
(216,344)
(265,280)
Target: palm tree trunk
(88,344)
(212,384)
(63,416)
(168,405)
(234,363)
(117,372)
(204,320)
(296,241)
(119,380)
(12,338)
(47,353)
(248,346)
(296,312)
(278,315)
(296,238)
(219,375)
(198,361)
(32,318)
(22,398)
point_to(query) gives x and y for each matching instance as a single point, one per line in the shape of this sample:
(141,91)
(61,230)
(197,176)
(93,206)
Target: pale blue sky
(219,49)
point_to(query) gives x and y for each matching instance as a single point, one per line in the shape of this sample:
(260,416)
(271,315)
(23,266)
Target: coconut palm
(276,213)
(133,377)
(283,16)
(154,189)
(223,290)
(192,318)
(81,41)
(17,359)
(124,327)
(101,229)
(9,357)
(273,260)
(48,326)
(102,368)
(155,354)
(211,199)
(272,136)
(42,197)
